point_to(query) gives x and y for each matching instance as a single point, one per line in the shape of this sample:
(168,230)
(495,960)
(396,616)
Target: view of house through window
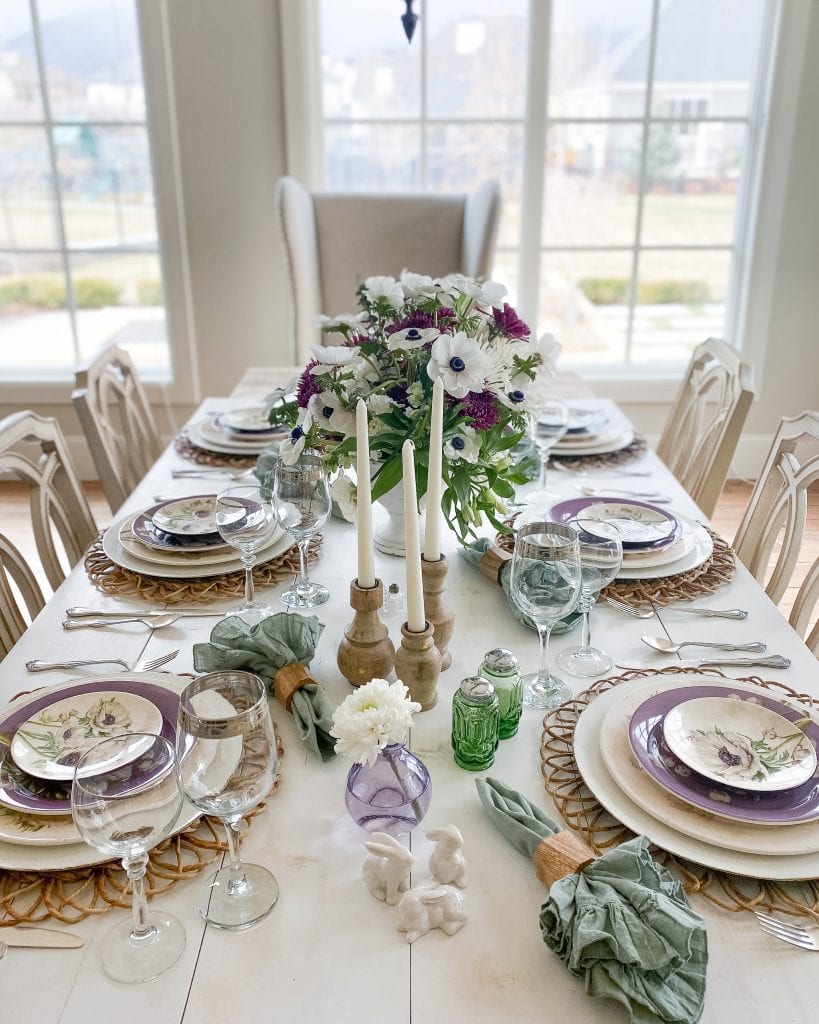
(648,108)
(79,262)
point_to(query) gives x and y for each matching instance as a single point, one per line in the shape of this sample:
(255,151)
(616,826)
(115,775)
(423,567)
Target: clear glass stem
(543,676)
(544,466)
(585,634)
(236,882)
(248,560)
(303,582)
(135,869)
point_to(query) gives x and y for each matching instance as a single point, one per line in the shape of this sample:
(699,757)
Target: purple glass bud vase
(391,796)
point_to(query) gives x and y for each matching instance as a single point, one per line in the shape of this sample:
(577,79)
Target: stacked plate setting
(243,431)
(590,432)
(656,542)
(44,734)
(178,538)
(721,773)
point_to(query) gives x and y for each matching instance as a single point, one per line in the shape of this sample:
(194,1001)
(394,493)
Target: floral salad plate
(639,524)
(187,517)
(50,742)
(740,743)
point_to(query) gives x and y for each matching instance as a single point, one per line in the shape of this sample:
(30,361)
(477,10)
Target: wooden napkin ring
(492,561)
(289,679)
(560,855)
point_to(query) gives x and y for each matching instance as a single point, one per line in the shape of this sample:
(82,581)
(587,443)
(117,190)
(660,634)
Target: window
(79,257)
(625,137)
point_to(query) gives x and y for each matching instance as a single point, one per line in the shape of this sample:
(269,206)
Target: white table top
(329,951)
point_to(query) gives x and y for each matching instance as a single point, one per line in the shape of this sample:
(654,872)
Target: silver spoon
(605,491)
(599,472)
(645,611)
(158,622)
(660,643)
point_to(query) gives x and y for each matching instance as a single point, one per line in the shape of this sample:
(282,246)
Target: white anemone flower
(547,348)
(377,714)
(416,285)
(355,321)
(331,357)
(328,411)
(344,494)
(460,362)
(411,337)
(292,446)
(728,754)
(488,293)
(517,399)
(384,288)
(463,446)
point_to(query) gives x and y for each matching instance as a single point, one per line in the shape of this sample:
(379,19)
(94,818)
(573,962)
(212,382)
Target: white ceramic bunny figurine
(428,906)
(446,863)
(386,871)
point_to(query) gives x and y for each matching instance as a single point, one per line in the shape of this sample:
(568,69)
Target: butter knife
(94,613)
(43,938)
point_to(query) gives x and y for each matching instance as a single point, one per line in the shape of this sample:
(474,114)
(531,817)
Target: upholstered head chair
(333,240)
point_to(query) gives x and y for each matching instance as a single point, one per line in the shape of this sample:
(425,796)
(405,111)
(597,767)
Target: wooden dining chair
(769,538)
(703,428)
(33,451)
(334,240)
(117,421)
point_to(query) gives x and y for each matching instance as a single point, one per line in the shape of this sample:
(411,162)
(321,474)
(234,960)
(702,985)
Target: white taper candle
(366,568)
(416,620)
(432,541)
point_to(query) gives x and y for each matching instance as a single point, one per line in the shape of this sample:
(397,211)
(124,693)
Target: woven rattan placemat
(583,813)
(635,450)
(188,450)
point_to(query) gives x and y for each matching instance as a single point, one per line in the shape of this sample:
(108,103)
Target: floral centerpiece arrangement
(409,332)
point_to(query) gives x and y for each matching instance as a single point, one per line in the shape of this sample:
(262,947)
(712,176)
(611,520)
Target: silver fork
(645,611)
(231,474)
(142,665)
(795,934)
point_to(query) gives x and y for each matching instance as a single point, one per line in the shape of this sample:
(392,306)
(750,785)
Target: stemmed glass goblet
(545,585)
(246,519)
(125,811)
(601,555)
(547,425)
(227,758)
(303,504)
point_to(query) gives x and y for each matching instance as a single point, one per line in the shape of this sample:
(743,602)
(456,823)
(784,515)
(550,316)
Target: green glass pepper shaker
(502,670)
(475,718)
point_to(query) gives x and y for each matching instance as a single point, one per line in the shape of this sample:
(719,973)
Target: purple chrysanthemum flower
(445,318)
(510,323)
(308,385)
(357,339)
(417,318)
(482,408)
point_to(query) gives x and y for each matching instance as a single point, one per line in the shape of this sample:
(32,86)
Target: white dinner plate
(640,820)
(638,785)
(661,556)
(19,829)
(32,856)
(179,556)
(204,434)
(597,447)
(182,571)
(700,551)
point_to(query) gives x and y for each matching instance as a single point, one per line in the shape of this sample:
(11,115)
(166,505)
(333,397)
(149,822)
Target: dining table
(329,952)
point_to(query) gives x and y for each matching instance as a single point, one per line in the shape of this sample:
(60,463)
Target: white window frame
(184,387)
(759,203)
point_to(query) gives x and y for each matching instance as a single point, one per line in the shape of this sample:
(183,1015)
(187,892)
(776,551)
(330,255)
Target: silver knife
(94,613)
(772,661)
(43,938)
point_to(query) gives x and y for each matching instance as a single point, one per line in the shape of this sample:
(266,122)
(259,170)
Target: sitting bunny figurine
(386,871)
(446,863)
(428,906)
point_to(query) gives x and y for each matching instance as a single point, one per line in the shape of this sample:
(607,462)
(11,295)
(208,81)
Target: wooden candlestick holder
(366,652)
(418,664)
(433,575)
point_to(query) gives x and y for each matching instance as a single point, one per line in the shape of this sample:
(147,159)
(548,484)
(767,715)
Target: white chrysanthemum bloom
(388,288)
(344,494)
(416,285)
(355,321)
(377,714)
(460,362)
(331,357)
(328,411)
(378,404)
(411,337)
(292,446)
(463,446)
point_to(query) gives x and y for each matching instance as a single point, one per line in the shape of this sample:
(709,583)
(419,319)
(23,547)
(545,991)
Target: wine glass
(545,585)
(601,555)
(124,811)
(547,425)
(303,504)
(227,758)
(246,519)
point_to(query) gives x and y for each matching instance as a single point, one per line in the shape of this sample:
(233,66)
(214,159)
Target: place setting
(592,438)
(242,432)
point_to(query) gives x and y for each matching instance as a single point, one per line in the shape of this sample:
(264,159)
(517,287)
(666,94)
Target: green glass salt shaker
(475,718)
(502,670)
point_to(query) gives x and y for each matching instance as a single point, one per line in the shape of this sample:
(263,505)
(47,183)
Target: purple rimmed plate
(22,792)
(783,807)
(642,526)
(146,532)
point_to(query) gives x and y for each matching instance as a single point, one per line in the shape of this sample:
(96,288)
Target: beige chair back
(769,538)
(333,241)
(117,421)
(703,428)
(60,517)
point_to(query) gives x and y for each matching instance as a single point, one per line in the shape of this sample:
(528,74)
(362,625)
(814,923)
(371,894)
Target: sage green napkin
(274,642)
(475,551)
(622,924)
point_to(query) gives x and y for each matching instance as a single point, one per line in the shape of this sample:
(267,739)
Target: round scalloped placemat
(583,813)
(635,450)
(188,450)
(32,897)
(113,579)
